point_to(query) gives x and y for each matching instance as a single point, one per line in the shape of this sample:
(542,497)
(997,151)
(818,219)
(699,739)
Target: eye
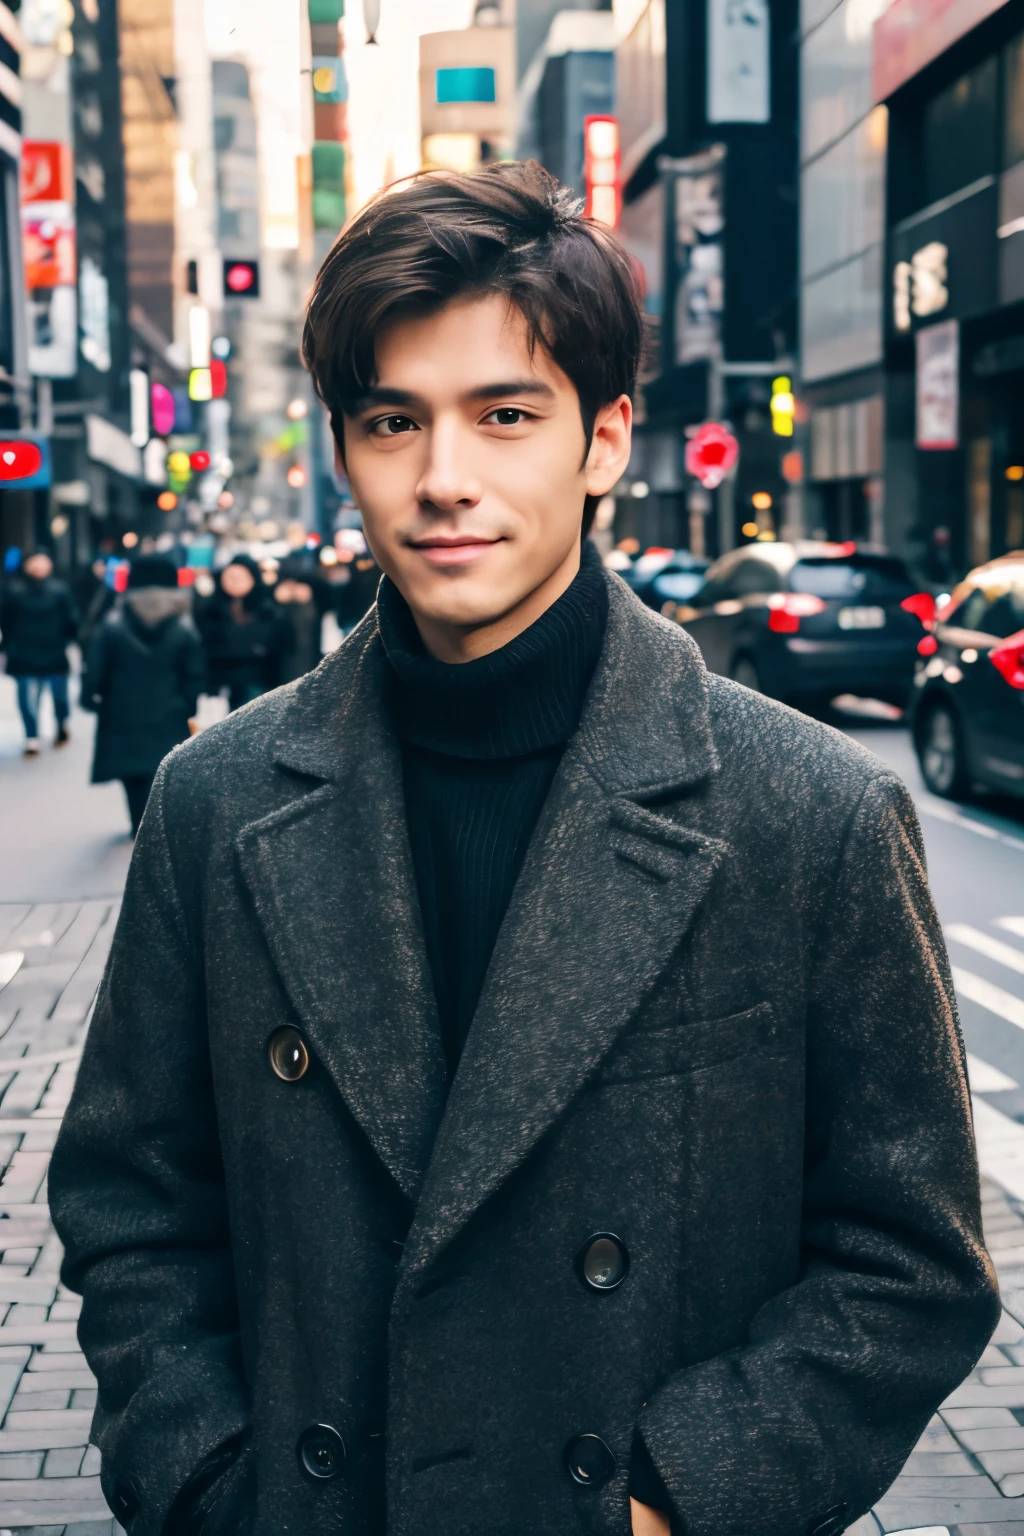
(507,416)
(391,426)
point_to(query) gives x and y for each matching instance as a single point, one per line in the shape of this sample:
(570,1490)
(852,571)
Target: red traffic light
(242,278)
(199,460)
(19,459)
(711,453)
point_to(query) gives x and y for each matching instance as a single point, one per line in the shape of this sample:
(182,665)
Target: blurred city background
(824,204)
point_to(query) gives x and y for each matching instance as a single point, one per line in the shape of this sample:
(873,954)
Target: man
(37,624)
(526,1095)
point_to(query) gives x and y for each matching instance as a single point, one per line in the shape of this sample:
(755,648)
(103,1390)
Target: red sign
(48,244)
(218,378)
(914,32)
(47,172)
(19,459)
(711,453)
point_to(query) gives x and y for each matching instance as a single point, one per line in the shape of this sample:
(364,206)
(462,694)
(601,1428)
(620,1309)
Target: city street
(65,852)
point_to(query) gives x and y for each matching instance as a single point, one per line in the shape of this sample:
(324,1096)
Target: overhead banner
(739,61)
(938,385)
(48,243)
(911,33)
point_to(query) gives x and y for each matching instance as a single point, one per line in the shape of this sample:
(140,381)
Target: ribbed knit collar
(525,697)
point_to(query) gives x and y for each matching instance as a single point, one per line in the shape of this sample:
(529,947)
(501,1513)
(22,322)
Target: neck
(455,643)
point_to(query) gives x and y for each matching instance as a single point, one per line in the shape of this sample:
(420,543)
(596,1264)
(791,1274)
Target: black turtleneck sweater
(480,745)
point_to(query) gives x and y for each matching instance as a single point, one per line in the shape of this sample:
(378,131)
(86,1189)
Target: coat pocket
(686,1047)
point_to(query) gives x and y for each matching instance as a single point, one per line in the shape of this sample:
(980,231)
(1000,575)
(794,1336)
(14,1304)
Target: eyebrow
(383,395)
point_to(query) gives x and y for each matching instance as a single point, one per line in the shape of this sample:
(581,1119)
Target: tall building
(19,514)
(707,106)
(571,77)
(952,78)
(842,258)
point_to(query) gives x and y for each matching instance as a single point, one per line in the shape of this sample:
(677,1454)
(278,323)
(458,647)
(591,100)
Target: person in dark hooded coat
(146,668)
(246,635)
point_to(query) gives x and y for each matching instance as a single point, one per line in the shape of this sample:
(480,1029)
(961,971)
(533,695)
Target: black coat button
(603,1261)
(321,1452)
(590,1461)
(289,1056)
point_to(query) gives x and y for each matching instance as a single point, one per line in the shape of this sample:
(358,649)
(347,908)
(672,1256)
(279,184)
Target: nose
(448,481)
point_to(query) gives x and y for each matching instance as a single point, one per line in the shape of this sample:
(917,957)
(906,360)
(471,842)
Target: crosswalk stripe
(985,1078)
(1013,925)
(992,949)
(943,811)
(989,996)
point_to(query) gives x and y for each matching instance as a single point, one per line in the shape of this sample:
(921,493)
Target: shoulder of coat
(783,752)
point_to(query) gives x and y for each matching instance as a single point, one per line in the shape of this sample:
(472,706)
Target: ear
(609,446)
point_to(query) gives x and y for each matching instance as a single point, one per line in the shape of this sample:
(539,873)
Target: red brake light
(786,609)
(186,576)
(927,645)
(922,606)
(658,549)
(1008,659)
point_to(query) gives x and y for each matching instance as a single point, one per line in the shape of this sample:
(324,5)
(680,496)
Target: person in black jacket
(38,621)
(145,670)
(247,637)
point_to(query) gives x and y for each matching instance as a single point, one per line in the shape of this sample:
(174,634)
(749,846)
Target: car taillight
(786,609)
(1008,659)
(922,606)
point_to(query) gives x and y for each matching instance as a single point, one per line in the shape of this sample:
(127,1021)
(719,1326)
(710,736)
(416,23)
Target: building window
(960,132)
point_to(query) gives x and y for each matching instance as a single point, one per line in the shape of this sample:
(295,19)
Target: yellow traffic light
(783,406)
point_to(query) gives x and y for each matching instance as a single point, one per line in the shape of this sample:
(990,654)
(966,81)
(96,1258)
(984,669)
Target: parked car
(968,716)
(664,577)
(808,621)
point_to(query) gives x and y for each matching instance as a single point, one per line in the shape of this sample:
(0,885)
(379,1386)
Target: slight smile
(457,549)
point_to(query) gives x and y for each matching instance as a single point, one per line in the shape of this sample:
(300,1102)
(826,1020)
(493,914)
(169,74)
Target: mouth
(453,549)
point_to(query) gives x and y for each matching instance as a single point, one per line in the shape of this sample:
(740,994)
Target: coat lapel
(609,888)
(331,879)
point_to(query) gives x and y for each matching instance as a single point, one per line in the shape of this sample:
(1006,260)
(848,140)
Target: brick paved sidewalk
(965,1478)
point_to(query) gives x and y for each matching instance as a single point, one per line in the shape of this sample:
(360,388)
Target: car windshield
(859,579)
(678,585)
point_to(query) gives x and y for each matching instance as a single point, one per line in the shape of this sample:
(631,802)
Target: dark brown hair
(510,229)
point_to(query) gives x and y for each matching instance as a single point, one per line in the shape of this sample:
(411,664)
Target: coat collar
(645,728)
(609,887)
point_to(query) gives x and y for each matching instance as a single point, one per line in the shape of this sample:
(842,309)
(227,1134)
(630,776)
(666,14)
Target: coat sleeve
(801,1430)
(138,1199)
(94,682)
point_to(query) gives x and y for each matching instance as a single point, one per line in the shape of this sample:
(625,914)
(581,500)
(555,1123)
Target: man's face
(467,463)
(39,566)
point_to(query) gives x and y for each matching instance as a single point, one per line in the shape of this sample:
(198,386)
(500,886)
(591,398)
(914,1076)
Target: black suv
(968,718)
(808,621)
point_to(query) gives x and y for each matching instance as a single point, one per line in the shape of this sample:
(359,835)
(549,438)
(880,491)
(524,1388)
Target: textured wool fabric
(718,1022)
(480,745)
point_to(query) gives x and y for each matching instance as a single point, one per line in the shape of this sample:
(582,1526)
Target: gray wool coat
(718,1023)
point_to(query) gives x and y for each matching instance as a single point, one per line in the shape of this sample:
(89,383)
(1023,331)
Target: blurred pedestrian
(145,671)
(246,636)
(38,621)
(302,598)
